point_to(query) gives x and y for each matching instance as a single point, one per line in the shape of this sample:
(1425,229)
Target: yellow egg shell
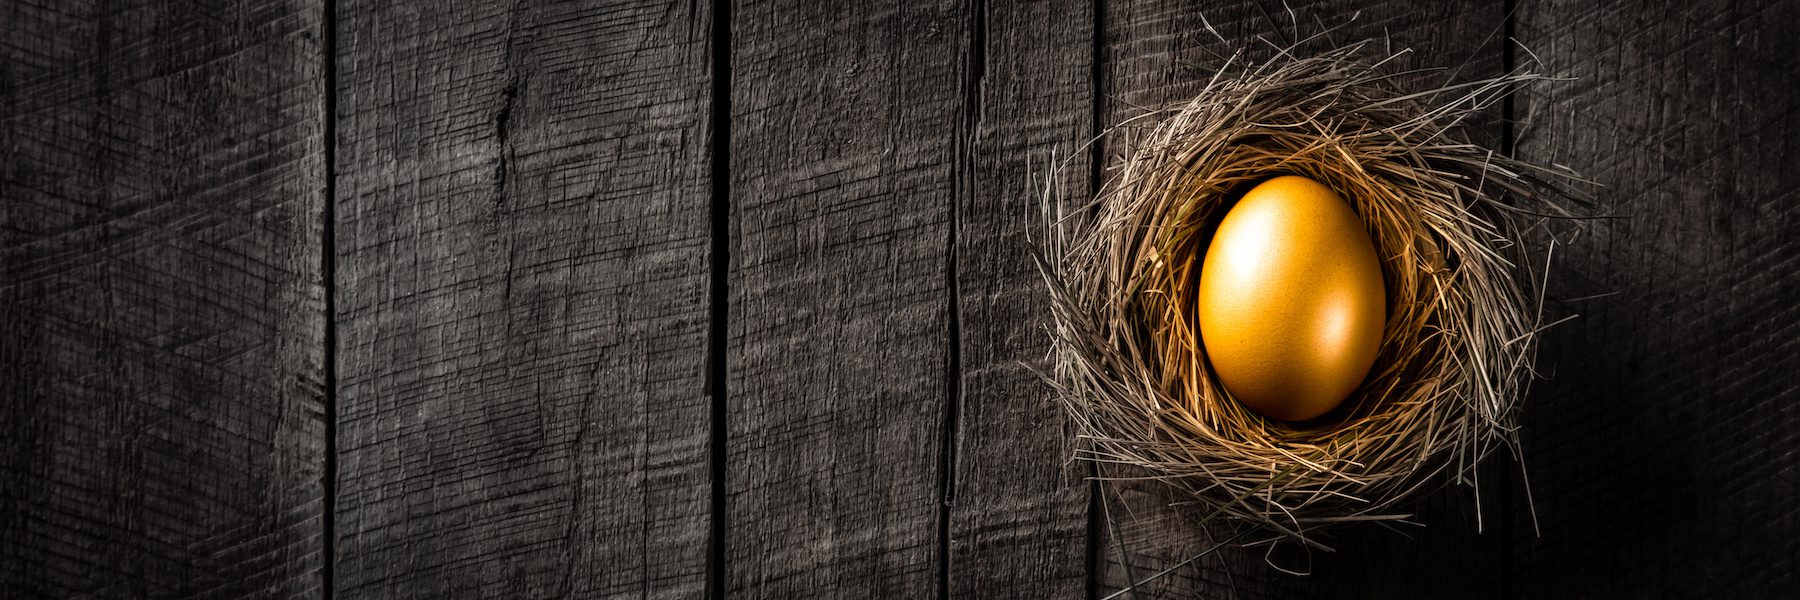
(1291,303)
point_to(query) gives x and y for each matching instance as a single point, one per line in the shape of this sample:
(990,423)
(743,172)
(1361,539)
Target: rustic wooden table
(732,299)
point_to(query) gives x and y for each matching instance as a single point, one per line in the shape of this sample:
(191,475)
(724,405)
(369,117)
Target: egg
(1291,303)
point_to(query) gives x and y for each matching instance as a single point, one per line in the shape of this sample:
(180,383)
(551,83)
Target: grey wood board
(161,300)
(1664,449)
(842,187)
(522,243)
(1018,518)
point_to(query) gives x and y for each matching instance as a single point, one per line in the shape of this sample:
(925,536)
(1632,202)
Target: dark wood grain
(1018,516)
(1665,449)
(522,235)
(1158,52)
(161,299)
(522,247)
(842,180)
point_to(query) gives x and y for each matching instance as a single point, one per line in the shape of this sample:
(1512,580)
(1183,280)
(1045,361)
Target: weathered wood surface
(1665,448)
(161,301)
(1018,524)
(843,178)
(522,242)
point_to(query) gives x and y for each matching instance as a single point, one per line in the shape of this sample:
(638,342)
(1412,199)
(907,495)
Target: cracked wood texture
(1018,510)
(161,300)
(1158,52)
(843,175)
(522,242)
(1665,448)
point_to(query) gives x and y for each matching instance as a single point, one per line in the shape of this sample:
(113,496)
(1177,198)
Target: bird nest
(1448,219)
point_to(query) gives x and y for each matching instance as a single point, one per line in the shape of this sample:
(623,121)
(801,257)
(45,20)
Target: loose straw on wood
(1446,217)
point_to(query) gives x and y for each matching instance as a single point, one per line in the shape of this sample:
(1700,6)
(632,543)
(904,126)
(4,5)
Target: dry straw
(1448,218)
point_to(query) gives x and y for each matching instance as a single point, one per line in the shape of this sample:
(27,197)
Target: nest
(1448,219)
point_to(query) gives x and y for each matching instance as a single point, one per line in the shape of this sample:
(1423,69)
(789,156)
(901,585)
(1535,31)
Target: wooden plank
(1662,450)
(161,299)
(842,182)
(522,244)
(1018,522)
(1160,51)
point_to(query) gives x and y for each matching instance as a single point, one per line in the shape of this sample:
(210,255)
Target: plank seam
(718,286)
(1096,521)
(1508,146)
(328,277)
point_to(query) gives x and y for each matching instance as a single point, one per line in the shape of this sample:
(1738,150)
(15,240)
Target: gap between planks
(718,286)
(328,277)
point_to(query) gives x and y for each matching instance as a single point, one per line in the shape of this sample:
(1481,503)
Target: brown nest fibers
(1449,220)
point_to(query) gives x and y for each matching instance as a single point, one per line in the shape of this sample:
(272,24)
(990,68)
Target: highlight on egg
(1291,304)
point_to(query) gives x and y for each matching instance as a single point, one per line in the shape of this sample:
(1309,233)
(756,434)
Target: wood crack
(964,192)
(502,131)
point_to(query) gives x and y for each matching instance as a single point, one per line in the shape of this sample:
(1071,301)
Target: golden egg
(1291,303)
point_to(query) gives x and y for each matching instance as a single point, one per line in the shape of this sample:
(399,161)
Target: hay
(1447,218)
